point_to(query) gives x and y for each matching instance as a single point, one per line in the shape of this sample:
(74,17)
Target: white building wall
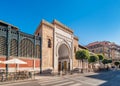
(61,37)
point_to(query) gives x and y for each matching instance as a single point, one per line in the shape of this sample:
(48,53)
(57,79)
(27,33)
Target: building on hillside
(109,49)
(115,51)
(52,47)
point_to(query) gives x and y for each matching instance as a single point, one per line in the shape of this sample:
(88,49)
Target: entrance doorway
(64,59)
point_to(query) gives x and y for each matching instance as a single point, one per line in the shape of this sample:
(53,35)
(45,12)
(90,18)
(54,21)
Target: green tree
(105,61)
(100,56)
(110,61)
(93,59)
(82,55)
(116,63)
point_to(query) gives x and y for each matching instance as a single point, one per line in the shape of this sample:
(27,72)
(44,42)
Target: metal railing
(13,76)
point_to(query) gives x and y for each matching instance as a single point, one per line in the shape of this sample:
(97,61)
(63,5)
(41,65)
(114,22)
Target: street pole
(8,47)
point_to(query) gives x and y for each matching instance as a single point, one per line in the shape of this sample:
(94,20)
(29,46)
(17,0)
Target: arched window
(26,48)
(3,48)
(49,43)
(13,47)
(37,55)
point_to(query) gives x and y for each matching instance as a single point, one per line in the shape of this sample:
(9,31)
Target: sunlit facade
(51,49)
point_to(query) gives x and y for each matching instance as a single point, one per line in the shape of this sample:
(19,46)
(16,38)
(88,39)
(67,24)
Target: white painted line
(63,83)
(84,82)
(49,80)
(89,83)
(77,84)
(55,82)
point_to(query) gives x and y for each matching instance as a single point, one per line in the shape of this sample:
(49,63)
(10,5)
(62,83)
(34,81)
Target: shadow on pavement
(111,78)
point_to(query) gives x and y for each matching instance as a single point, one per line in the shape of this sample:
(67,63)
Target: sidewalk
(17,81)
(37,77)
(34,78)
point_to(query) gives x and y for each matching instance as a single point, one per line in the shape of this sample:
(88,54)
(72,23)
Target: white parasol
(0,61)
(15,61)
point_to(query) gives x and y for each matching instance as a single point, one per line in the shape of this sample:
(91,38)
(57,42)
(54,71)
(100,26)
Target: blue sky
(91,20)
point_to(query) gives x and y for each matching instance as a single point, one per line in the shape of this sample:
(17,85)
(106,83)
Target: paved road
(111,78)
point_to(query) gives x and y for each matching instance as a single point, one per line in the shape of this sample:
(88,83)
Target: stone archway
(63,58)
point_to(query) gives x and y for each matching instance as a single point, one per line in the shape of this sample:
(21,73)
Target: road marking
(77,84)
(49,80)
(83,81)
(63,83)
(92,80)
(55,82)
(88,83)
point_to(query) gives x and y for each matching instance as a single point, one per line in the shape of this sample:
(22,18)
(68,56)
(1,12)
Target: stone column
(55,65)
(55,56)
(67,64)
(71,65)
(72,52)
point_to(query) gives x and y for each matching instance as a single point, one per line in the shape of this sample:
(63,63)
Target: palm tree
(82,55)
(93,59)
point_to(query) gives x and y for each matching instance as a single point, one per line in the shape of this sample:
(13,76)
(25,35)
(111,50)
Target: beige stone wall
(49,57)
(47,53)
(59,25)
(75,62)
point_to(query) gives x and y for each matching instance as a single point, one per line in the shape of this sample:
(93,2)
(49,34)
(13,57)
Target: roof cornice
(75,37)
(47,23)
(8,24)
(60,24)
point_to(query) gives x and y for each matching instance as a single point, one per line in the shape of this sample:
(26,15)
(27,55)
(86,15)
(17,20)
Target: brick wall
(30,63)
(2,58)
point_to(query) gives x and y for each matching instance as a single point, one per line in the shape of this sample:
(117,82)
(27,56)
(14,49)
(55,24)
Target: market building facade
(17,44)
(51,48)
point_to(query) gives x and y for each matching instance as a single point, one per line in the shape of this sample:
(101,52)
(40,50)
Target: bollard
(60,73)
